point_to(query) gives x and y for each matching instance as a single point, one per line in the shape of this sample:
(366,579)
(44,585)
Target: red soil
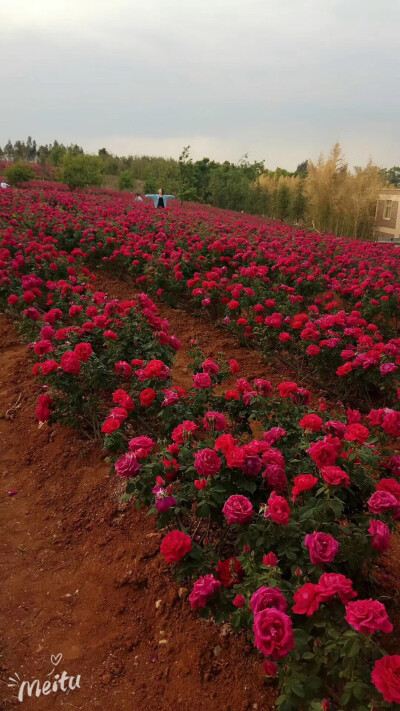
(83,575)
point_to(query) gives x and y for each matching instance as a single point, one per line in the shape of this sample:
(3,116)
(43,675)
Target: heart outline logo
(56,659)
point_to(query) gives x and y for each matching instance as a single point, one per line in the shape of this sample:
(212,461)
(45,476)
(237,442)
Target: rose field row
(276,505)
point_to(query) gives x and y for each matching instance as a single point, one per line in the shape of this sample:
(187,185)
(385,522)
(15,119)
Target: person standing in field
(160,200)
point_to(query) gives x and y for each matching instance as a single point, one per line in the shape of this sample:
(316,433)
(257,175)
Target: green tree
(150,186)
(19,173)
(392,176)
(125,181)
(57,153)
(187,177)
(81,171)
(9,151)
(302,169)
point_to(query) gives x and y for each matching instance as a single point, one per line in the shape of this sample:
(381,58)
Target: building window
(387,210)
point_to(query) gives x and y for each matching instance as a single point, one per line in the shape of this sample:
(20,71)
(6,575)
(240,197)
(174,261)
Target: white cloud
(282,81)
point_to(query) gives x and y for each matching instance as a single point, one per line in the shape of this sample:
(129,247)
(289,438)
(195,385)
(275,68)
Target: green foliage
(81,171)
(150,186)
(392,176)
(125,181)
(19,173)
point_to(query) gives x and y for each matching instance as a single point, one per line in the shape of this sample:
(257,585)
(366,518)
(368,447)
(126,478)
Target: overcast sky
(281,80)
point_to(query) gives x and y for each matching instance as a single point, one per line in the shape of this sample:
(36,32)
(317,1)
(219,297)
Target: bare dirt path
(82,575)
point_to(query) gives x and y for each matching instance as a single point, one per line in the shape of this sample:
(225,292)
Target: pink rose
(273,633)
(203,589)
(207,462)
(391,423)
(209,366)
(368,616)
(380,535)
(141,446)
(238,509)
(322,546)
(127,466)
(382,501)
(264,598)
(274,435)
(202,381)
(275,477)
(214,420)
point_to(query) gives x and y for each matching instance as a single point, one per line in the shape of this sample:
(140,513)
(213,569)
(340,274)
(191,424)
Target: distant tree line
(325,195)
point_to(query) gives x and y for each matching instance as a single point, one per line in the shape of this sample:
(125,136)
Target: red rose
(331,584)
(311,422)
(386,677)
(202,381)
(278,509)
(335,476)
(110,425)
(83,351)
(307,599)
(43,408)
(49,366)
(287,388)
(147,397)
(233,366)
(203,589)
(368,616)
(239,601)
(270,668)
(270,560)
(229,572)
(175,546)
(70,363)
(207,462)
(303,482)
(356,433)
(391,423)
(42,347)
(238,509)
(322,546)
(264,598)
(273,633)
(323,453)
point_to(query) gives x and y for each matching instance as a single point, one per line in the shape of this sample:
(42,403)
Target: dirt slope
(82,577)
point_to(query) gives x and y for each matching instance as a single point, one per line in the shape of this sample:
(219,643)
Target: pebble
(217,651)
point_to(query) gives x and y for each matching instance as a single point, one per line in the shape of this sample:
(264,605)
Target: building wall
(388,228)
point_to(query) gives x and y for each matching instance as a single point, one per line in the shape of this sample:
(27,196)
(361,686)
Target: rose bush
(279,530)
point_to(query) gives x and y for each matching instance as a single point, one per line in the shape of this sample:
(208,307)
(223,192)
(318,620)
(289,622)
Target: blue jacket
(164,197)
